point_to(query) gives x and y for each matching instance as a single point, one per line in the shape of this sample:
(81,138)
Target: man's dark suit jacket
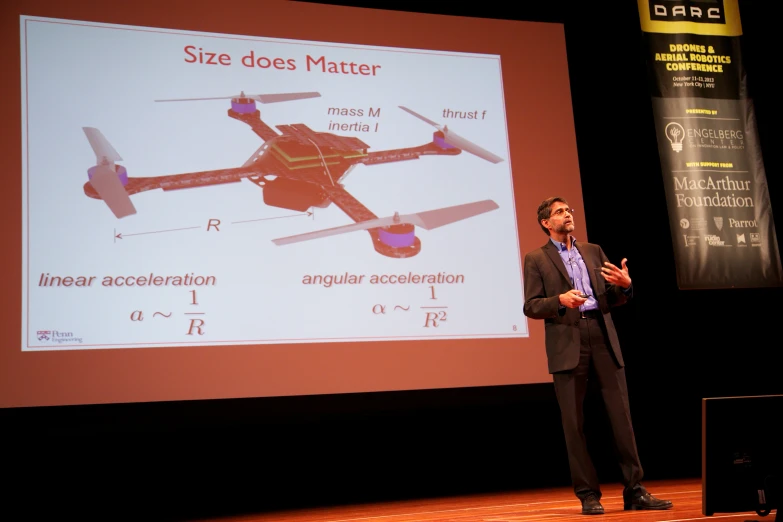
(545,278)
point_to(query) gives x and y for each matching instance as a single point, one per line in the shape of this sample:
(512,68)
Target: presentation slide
(294,199)
(251,190)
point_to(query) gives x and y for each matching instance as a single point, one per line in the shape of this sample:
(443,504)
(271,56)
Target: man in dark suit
(571,285)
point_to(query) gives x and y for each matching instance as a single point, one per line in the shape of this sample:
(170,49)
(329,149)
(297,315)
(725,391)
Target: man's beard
(565,228)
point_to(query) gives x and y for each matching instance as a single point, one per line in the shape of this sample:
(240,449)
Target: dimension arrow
(308,213)
(123,236)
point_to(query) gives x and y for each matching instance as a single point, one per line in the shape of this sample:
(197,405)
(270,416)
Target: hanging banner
(720,216)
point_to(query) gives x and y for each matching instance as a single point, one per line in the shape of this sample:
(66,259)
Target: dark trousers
(596,361)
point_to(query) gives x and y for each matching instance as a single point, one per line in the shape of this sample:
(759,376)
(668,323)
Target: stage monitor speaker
(742,460)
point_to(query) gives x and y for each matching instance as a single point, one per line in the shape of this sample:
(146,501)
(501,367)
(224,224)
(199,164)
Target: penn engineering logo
(701,11)
(57,337)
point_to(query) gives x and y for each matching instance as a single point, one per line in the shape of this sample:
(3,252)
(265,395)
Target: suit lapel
(590,263)
(554,255)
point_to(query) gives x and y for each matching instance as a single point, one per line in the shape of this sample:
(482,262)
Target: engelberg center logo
(703,11)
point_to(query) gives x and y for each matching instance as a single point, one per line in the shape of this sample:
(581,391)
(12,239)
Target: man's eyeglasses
(562,210)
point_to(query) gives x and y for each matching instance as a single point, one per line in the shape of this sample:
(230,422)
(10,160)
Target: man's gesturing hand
(617,276)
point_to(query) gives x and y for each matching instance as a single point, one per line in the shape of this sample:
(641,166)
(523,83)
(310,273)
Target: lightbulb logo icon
(675,133)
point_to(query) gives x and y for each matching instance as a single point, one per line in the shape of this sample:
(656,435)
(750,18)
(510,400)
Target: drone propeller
(427,220)
(104,152)
(263,98)
(455,140)
(104,177)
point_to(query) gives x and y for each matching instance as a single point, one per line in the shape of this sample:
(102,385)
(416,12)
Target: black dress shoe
(591,505)
(646,501)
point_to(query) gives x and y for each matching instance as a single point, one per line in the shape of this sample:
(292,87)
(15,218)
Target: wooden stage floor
(521,506)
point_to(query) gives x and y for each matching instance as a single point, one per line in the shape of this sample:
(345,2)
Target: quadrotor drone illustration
(298,169)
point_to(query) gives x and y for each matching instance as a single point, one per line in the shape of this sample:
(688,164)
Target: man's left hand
(617,276)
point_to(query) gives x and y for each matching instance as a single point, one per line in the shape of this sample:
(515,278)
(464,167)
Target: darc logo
(703,11)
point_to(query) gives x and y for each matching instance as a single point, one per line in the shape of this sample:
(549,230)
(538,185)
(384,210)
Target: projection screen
(292,199)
